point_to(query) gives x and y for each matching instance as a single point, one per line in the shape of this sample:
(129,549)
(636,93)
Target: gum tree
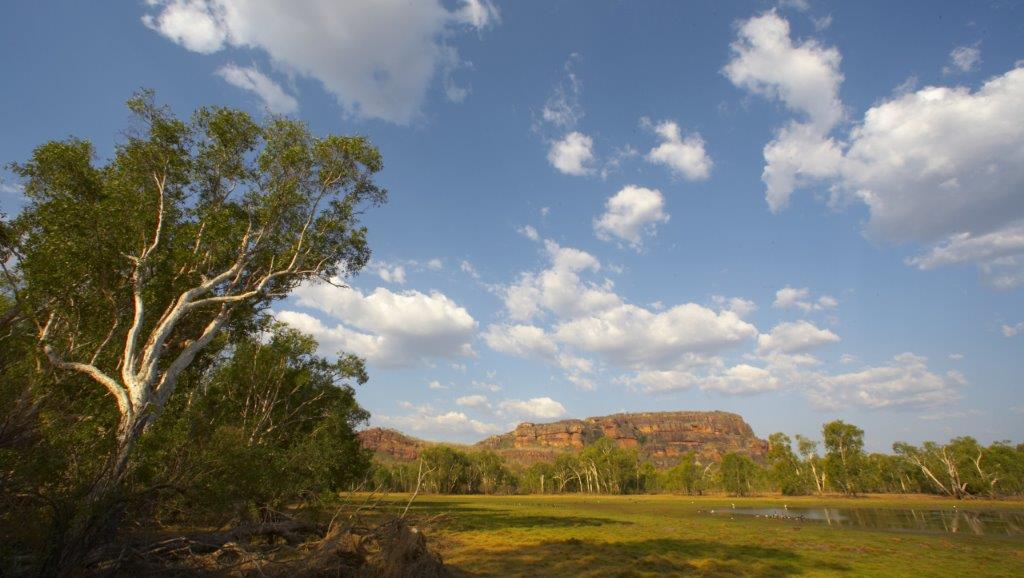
(128,269)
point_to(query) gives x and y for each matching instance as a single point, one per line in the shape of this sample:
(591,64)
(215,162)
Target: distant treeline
(959,468)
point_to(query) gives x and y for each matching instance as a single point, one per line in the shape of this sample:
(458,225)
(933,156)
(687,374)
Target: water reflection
(977,522)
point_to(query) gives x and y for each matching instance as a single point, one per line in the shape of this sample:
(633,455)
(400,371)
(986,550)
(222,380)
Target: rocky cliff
(660,436)
(391,444)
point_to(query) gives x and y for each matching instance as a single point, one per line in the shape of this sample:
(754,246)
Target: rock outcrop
(391,444)
(662,437)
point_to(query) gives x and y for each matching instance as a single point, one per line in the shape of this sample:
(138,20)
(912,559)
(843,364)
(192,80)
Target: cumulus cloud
(741,379)
(684,156)
(655,381)
(274,98)
(939,166)
(573,154)
(631,214)
(804,76)
(393,329)
(941,161)
(794,337)
(452,423)
(906,382)
(389,273)
(527,341)
(739,306)
(475,401)
(537,408)
(435,384)
(800,298)
(376,57)
(632,336)
(559,288)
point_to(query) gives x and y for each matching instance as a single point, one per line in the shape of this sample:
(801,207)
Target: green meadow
(575,535)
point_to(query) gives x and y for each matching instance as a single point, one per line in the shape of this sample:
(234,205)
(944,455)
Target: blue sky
(796,211)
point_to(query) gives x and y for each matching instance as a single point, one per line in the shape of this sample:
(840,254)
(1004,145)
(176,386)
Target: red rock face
(660,436)
(392,444)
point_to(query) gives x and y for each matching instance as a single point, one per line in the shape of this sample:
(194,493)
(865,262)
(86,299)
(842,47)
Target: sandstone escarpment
(661,436)
(392,444)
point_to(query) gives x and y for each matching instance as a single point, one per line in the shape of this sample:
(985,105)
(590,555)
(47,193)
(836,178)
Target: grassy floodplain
(584,535)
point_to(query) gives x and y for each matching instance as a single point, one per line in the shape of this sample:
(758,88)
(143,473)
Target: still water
(963,521)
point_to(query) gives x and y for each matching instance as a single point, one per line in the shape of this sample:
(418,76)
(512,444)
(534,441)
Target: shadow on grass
(462,517)
(659,557)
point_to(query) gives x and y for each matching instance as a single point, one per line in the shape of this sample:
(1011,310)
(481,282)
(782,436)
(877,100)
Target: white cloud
(486,386)
(440,424)
(435,264)
(663,380)
(534,408)
(435,384)
(794,337)
(631,214)
(798,154)
(998,254)
(741,379)
(527,341)
(559,288)
(467,268)
(479,13)
(376,57)
(195,24)
(389,273)
(393,329)
(963,59)
(800,298)
(529,232)
(739,306)
(475,401)
(563,109)
(632,336)
(1012,330)
(274,98)
(939,166)
(905,382)
(685,157)
(956,356)
(805,76)
(572,155)
(941,161)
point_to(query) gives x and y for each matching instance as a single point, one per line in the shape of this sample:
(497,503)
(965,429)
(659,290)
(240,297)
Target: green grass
(573,535)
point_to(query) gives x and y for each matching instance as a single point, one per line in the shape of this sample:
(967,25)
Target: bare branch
(116,389)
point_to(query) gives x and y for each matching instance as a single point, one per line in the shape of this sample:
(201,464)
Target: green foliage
(784,468)
(686,476)
(844,456)
(263,426)
(738,474)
